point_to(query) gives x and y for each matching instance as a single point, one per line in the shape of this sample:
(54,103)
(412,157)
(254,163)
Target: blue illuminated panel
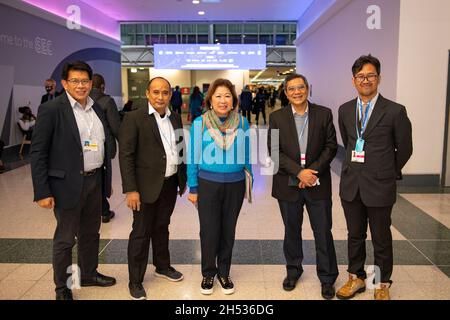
(210,56)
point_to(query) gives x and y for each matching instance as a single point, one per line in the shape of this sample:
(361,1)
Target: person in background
(259,105)
(27,121)
(127,107)
(195,103)
(109,107)
(245,103)
(50,87)
(273,98)
(283,98)
(176,101)
(217,183)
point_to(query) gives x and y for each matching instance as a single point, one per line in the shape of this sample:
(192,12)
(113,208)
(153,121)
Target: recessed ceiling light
(201,13)
(195,1)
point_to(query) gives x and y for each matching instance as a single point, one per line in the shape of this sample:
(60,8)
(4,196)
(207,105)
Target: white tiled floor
(260,282)
(21,218)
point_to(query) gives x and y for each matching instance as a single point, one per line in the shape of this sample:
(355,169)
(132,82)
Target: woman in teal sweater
(219,154)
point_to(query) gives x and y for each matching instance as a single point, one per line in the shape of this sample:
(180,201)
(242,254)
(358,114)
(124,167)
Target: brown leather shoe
(382,293)
(353,286)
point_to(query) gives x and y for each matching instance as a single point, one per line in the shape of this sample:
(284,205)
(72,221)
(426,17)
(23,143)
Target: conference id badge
(358,156)
(90,145)
(359,145)
(303,159)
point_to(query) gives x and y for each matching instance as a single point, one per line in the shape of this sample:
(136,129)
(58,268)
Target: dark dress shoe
(64,294)
(107,217)
(289,283)
(328,291)
(98,280)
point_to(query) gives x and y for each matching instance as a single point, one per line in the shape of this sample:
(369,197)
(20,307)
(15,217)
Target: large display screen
(210,56)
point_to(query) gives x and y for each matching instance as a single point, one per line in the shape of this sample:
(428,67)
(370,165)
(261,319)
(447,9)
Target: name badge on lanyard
(303,155)
(358,155)
(90,145)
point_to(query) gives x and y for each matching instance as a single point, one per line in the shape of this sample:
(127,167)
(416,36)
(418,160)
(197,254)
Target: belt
(88,173)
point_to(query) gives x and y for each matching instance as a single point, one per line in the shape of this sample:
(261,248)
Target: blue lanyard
(303,129)
(364,119)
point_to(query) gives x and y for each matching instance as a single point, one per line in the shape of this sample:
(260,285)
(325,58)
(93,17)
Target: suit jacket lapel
(377,114)
(352,116)
(292,129)
(311,125)
(100,115)
(70,119)
(154,128)
(175,126)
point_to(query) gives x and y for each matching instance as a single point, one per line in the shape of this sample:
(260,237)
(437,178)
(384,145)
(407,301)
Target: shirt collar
(75,103)
(306,111)
(372,102)
(152,110)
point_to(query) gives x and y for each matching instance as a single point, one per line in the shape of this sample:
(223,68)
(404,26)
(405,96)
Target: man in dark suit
(307,145)
(376,133)
(71,144)
(50,87)
(152,175)
(109,107)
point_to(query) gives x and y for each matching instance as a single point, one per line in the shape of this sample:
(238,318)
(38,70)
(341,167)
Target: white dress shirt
(167,134)
(90,128)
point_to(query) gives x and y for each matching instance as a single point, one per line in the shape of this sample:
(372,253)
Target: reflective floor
(420,230)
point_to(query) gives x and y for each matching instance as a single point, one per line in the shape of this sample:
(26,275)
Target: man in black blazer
(71,144)
(307,145)
(152,174)
(376,133)
(50,87)
(109,107)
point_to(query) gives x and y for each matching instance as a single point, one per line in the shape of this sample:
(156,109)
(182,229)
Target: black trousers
(2,145)
(258,110)
(248,115)
(358,216)
(177,108)
(105,202)
(321,222)
(219,205)
(82,222)
(152,223)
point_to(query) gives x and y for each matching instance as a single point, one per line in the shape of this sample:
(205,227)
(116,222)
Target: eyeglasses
(293,89)
(371,77)
(76,82)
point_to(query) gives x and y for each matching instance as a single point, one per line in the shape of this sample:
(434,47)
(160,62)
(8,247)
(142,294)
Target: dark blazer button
(164,157)
(81,172)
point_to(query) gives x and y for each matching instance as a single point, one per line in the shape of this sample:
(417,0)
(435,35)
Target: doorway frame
(446,129)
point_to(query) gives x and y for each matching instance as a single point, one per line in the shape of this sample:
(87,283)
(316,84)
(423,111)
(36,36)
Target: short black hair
(78,66)
(151,80)
(363,60)
(293,76)
(97,81)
